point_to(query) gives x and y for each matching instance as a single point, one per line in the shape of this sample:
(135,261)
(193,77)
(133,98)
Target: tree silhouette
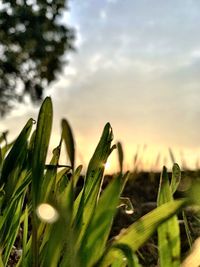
(32,43)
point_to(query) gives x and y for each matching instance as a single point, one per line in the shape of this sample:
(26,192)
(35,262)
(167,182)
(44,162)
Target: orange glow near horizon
(141,158)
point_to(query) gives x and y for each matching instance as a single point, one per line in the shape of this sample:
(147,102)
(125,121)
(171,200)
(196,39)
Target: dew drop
(129,211)
(107,166)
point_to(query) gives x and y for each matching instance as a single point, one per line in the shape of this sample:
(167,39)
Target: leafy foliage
(74,227)
(32,43)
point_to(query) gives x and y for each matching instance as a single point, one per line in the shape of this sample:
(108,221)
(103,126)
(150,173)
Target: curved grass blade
(42,137)
(6,148)
(125,202)
(125,180)
(14,156)
(101,153)
(41,143)
(67,136)
(58,235)
(60,246)
(98,160)
(11,235)
(131,258)
(6,219)
(120,156)
(1,261)
(62,183)
(76,175)
(187,229)
(140,231)
(97,232)
(25,236)
(168,232)
(176,177)
(15,178)
(49,182)
(31,150)
(84,207)
(193,193)
(93,181)
(193,259)
(3,137)
(1,158)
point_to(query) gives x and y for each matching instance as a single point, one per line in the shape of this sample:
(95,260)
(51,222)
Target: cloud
(137,66)
(111,1)
(103,15)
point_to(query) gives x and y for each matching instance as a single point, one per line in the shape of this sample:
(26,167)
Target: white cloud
(79,40)
(195,53)
(103,14)
(111,1)
(70,71)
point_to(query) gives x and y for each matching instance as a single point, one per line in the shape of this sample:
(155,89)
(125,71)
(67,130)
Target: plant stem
(35,251)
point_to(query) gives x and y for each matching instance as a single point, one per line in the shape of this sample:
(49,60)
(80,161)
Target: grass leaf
(93,181)
(120,156)
(67,136)
(98,230)
(176,177)
(40,147)
(41,144)
(140,231)
(14,160)
(168,232)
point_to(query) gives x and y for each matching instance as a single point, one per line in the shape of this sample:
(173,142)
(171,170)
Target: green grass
(81,234)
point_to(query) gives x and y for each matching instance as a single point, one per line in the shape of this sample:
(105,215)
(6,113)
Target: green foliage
(78,232)
(120,156)
(32,41)
(67,136)
(169,233)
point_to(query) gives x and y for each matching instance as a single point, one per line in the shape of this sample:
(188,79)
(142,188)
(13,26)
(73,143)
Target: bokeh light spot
(47,213)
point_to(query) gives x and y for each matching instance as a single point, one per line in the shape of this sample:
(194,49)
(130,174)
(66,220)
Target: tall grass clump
(50,220)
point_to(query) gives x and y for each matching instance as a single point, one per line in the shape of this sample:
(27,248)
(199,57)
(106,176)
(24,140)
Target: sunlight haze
(136,66)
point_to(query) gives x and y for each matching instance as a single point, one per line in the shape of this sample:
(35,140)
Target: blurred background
(135,64)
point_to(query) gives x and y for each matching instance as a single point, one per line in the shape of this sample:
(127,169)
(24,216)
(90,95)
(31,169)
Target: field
(53,215)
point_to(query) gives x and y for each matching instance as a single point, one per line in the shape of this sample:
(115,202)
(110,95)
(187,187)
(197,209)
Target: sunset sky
(137,66)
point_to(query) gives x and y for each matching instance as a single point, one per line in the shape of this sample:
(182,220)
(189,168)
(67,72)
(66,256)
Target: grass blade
(14,160)
(98,230)
(67,136)
(176,177)
(168,232)
(25,236)
(49,182)
(94,178)
(13,229)
(187,229)
(120,156)
(1,262)
(42,137)
(3,137)
(131,258)
(193,259)
(41,144)
(140,231)
(172,155)
(61,231)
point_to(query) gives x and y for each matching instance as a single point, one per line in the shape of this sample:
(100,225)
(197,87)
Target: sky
(136,66)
